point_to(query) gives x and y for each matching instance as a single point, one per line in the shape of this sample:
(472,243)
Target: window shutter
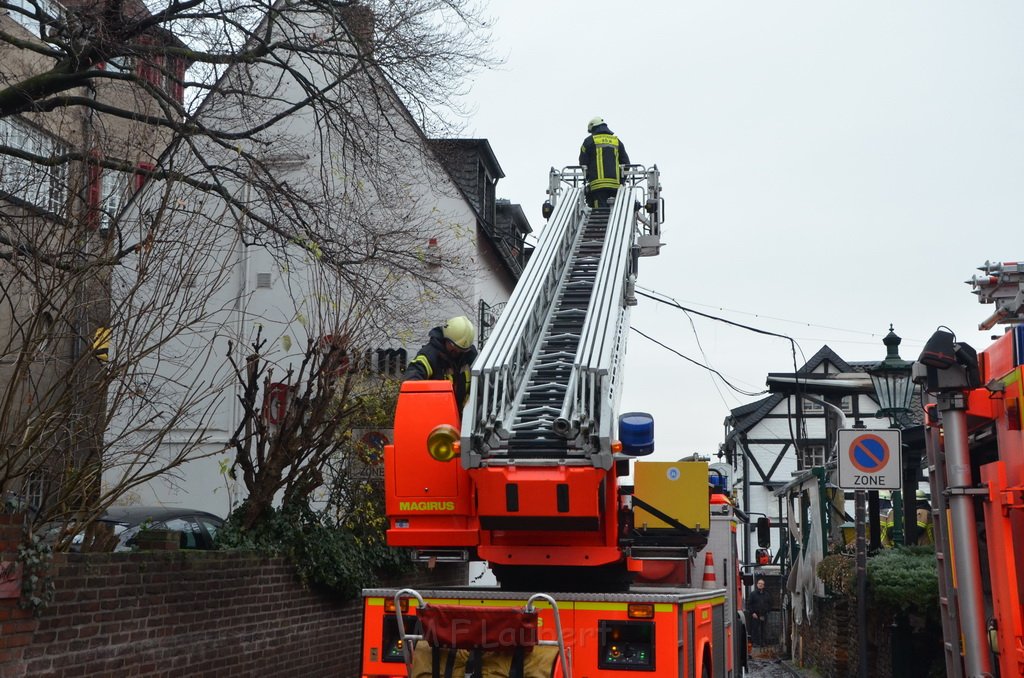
(142,173)
(178,85)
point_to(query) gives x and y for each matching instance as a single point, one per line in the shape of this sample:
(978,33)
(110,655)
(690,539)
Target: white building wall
(305,300)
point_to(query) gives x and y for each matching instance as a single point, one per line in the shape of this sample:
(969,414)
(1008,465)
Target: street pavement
(765,663)
(770,668)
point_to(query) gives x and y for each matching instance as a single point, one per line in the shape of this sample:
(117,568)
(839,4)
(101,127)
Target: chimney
(359,21)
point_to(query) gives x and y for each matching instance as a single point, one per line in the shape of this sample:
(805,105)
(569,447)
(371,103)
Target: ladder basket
(479,633)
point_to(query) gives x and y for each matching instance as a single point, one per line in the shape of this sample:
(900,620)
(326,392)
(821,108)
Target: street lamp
(891,381)
(894,390)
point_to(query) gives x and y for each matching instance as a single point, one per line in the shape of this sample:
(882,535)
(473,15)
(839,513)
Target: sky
(828,167)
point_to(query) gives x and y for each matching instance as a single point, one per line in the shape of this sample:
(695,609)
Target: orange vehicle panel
(428,502)
(998,359)
(1003,516)
(679,631)
(560,493)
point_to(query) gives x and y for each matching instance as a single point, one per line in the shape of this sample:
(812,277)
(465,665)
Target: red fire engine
(976,463)
(597,577)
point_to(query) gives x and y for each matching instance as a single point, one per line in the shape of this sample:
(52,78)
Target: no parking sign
(870,459)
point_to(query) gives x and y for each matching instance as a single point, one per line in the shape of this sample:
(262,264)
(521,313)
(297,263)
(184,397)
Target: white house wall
(303,299)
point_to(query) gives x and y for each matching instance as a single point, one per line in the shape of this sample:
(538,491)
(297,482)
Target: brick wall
(183,614)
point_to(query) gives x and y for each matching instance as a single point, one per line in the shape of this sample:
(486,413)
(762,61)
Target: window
(847,404)
(25,12)
(811,406)
(262,281)
(113,186)
(39,185)
(174,82)
(814,455)
(45,333)
(35,489)
(391,362)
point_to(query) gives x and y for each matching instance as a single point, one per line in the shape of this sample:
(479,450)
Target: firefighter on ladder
(448,354)
(602,156)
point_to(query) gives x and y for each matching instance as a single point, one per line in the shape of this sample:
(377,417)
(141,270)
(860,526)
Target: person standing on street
(758,605)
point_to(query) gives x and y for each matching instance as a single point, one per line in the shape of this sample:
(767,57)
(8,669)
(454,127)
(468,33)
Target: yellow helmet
(460,331)
(594,123)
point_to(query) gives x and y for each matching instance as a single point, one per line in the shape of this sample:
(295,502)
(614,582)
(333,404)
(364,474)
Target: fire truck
(598,576)
(975,446)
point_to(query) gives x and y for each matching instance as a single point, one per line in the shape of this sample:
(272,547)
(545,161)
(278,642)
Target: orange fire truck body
(662,631)
(528,478)
(998,407)
(975,445)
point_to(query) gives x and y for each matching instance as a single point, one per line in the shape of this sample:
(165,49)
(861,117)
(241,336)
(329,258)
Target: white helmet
(594,123)
(460,331)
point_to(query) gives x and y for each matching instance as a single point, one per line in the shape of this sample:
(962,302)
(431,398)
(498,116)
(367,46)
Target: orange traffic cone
(709,571)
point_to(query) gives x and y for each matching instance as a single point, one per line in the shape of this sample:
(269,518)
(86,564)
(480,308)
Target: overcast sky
(828,168)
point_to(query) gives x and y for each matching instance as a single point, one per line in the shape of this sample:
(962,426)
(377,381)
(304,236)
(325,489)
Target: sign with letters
(870,459)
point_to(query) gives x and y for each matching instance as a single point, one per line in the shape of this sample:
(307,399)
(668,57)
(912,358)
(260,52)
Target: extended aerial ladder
(545,387)
(537,482)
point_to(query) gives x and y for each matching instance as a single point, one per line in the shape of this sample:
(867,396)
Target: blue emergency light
(636,433)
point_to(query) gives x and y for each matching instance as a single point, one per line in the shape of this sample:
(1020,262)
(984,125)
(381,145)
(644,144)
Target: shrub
(341,559)
(905,579)
(838,572)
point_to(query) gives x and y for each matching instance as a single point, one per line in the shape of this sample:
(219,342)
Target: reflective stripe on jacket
(602,155)
(434,362)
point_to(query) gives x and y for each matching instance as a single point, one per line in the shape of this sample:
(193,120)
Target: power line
(794,346)
(698,364)
(704,356)
(669,301)
(876,335)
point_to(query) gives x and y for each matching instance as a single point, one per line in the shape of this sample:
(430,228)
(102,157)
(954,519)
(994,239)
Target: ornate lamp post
(894,390)
(891,379)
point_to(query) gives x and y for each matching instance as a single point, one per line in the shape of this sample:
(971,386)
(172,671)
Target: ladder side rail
(615,345)
(613,384)
(580,409)
(535,281)
(499,370)
(606,357)
(948,608)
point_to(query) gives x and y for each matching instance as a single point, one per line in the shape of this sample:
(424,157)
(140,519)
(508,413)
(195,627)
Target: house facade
(382,246)
(65,169)
(772,440)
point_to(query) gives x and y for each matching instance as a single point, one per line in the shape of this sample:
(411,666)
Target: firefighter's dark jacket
(602,154)
(434,362)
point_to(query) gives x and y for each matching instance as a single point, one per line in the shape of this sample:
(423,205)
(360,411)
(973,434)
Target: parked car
(198,528)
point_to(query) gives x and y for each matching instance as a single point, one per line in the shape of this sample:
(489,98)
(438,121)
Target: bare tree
(143,147)
(290,436)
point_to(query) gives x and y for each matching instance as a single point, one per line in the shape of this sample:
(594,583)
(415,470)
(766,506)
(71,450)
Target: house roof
(825,354)
(482,147)
(745,417)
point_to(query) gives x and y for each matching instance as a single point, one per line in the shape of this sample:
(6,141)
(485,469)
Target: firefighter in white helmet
(602,156)
(448,354)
